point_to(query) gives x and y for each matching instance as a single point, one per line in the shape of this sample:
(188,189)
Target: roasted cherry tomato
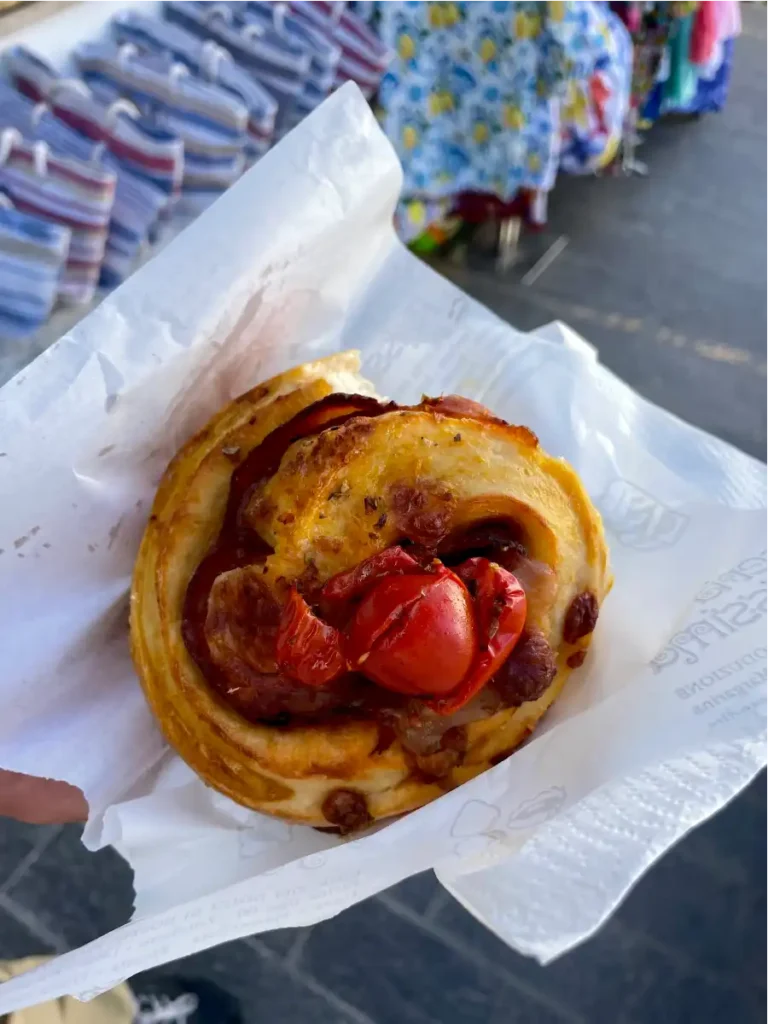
(414,634)
(307,648)
(346,586)
(500,608)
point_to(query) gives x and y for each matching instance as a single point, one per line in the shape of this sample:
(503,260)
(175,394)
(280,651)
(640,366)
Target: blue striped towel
(210,121)
(32,254)
(278,63)
(214,121)
(206,60)
(66,191)
(138,202)
(138,145)
(324,53)
(364,58)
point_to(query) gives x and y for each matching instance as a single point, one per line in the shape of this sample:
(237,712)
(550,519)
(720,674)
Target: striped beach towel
(208,61)
(65,191)
(364,58)
(32,254)
(138,145)
(324,53)
(280,64)
(211,121)
(138,202)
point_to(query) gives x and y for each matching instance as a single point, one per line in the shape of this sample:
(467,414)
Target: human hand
(40,801)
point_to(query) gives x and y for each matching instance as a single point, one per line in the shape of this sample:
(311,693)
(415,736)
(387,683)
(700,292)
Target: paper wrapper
(660,727)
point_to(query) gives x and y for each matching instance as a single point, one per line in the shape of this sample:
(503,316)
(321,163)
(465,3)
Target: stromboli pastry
(342,607)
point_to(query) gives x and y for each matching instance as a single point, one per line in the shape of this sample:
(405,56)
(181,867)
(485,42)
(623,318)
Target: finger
(40,801)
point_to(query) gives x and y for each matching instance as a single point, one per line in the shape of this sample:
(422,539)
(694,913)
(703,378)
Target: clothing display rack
(117,132)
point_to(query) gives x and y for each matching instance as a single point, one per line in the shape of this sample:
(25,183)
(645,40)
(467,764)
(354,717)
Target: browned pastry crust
(486,467)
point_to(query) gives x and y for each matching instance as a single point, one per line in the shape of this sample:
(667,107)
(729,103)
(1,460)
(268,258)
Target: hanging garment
(704,34)
(33,252)
(730,18)
(650,42)
(65,191)
(364,58)
(472,100)
(149,152)
(324,53)
(278,63)
(680,83)
(594,109)
(711,89)
(711,81)
(209,62)
(138,203)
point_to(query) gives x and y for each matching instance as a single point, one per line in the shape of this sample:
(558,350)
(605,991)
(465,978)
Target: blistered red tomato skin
(500,610)
(414,634)
(346,586)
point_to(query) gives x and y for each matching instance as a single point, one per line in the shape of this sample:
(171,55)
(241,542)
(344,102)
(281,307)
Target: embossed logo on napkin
(639,520)
(478,827)
(538,809)
(475,828)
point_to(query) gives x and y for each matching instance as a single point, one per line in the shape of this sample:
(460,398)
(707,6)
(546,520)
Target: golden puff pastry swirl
(342,607)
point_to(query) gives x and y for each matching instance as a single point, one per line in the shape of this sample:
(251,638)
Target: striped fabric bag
(324,53)
(33,252)
(208,61)
(278,63)
(211,121)
(66,191)
(364,58)
(139,146)
(138,202)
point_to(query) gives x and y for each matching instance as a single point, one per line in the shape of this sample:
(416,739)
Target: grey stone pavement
(667,276)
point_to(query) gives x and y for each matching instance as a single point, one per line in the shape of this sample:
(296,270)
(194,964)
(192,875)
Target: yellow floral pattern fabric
(492,96)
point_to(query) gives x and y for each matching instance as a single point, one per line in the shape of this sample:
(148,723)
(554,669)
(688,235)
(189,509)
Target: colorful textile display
(693,76)
(484,101)
(172,111)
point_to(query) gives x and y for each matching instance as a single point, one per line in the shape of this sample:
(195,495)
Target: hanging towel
(208,61)
(32,254)
(66,191)
(280,65)
(142,148)
(138,202)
